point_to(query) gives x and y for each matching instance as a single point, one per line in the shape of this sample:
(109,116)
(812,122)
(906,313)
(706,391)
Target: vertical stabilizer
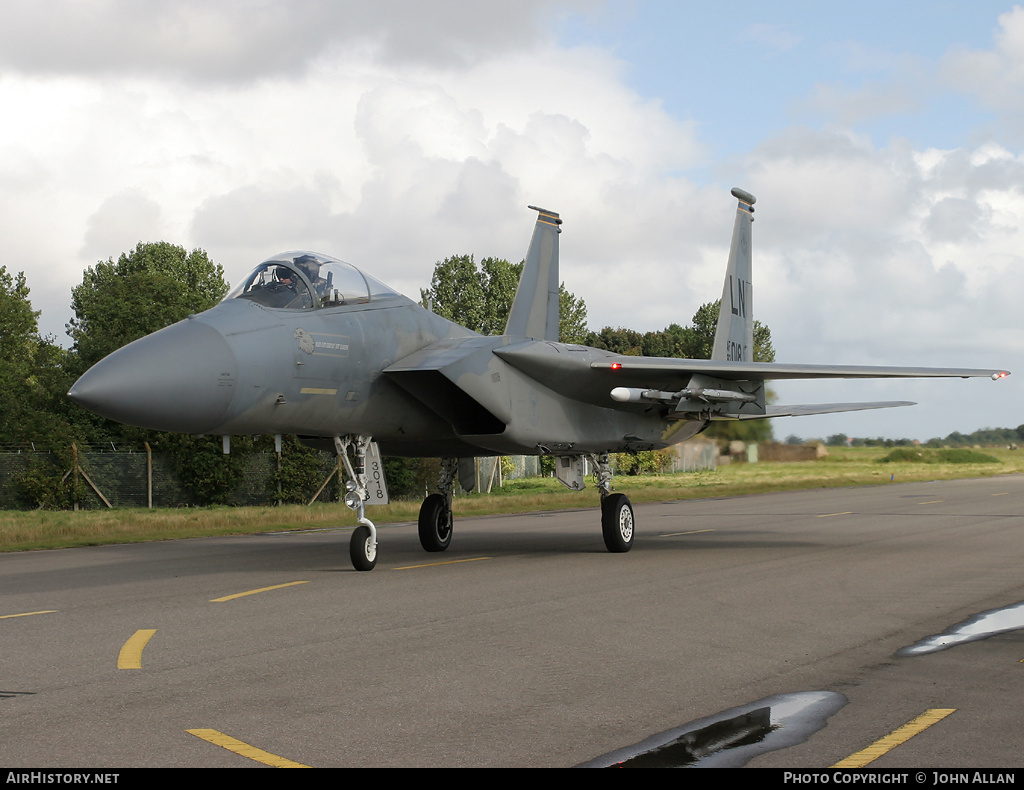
(734,337)
(535,310)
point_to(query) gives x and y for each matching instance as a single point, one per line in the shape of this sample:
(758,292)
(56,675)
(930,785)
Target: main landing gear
(435,519)
(435,523)
(617,525)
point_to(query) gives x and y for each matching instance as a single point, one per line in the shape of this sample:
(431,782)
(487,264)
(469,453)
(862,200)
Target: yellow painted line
(244,749)
(432,564)
(930,502)
(26,614)
(130,656)
(253,592)
(895,738)
(827,515)
(1001,493)
(691,532)
(317,391)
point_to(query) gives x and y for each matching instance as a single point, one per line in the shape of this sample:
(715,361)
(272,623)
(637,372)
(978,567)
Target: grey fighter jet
(310,345)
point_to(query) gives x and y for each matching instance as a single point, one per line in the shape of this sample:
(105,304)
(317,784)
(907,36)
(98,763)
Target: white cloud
(863,253)
(851,106)
(995,76)
(887,256)
(240,40)
(120,222)
(777,38)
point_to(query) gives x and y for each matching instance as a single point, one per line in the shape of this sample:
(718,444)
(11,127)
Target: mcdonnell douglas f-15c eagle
(309,345)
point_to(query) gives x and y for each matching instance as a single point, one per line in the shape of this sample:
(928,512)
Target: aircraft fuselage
(245,368)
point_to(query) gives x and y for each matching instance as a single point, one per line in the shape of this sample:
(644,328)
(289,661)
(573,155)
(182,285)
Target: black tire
(362,550)
(617,524)
(435,524)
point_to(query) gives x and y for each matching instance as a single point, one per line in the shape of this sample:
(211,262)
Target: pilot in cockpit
(279,290)
(310,267)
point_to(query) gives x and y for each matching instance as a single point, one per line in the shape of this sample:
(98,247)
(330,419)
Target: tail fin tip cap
(552,215)
(743,195)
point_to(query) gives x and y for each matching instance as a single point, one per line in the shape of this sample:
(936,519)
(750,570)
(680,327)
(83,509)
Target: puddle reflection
(986,624)
(732,738)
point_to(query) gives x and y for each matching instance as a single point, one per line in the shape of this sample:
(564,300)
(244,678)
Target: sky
(884,143)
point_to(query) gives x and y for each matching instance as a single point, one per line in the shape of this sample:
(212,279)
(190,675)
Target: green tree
(456,292)
(572,323)
(481,298)
(498,280)
(201,466)
(147,289)
(692,342)
(32,376)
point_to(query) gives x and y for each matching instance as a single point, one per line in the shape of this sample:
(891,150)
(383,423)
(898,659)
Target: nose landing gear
(362,547)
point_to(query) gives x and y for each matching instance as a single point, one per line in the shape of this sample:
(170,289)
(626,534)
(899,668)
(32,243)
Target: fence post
(277,449)
(78,470)
(149,476)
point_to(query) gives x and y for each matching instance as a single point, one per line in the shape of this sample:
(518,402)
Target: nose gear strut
(362,548)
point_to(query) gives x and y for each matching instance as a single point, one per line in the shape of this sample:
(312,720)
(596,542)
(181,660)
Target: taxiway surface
(525,644)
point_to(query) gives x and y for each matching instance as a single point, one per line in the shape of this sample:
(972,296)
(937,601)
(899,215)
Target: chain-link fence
(117,477)
(98,477)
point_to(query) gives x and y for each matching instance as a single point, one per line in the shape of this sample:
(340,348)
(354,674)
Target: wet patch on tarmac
(732,738)
(981,626)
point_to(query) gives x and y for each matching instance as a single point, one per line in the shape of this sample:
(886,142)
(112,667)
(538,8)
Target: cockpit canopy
(304,280)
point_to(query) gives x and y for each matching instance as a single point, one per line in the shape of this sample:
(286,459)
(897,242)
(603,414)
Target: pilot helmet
(309,266)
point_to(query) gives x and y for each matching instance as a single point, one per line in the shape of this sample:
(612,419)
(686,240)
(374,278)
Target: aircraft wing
(717,388)
(633,367)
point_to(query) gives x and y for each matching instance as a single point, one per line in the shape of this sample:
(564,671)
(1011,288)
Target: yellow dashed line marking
(828,515)
(895,738)
(691,532)
(253,592)
(245,750)
(130,656)
(1001,493)
(26,614)
(930,502)
(432,564)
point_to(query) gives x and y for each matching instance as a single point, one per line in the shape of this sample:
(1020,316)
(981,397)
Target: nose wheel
(362,549)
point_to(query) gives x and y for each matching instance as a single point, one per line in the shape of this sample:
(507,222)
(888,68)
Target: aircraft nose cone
(180,379)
